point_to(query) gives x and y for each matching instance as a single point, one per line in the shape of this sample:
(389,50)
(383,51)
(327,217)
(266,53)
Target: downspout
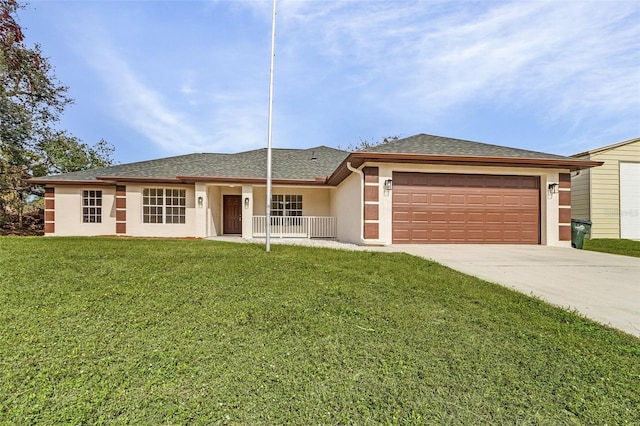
(361,198)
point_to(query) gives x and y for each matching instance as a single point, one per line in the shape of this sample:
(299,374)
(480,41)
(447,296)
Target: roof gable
(606,148)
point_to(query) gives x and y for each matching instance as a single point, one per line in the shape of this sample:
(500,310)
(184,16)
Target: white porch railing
(296,226)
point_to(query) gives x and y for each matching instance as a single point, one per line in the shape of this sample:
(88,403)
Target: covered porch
(296,211)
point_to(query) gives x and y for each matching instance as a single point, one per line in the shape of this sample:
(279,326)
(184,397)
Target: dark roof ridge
(427,144)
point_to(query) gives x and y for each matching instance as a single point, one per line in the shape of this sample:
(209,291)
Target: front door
(232,214)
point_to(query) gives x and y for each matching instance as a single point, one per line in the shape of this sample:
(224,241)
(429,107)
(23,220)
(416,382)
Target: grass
(613,246)
(132,331)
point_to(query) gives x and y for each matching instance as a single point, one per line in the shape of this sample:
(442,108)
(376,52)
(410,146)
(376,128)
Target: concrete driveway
(603,287)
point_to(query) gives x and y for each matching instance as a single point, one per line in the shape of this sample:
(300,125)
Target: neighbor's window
(91,206)
(286,205)
(160,205)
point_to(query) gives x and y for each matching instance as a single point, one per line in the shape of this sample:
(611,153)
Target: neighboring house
(610,195)
(421,189)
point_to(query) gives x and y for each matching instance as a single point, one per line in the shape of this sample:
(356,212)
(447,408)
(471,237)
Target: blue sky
(162,78)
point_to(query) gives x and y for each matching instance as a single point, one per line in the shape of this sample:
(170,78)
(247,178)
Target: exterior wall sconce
(553,188)
(388,185)
(246,202)
(200,202)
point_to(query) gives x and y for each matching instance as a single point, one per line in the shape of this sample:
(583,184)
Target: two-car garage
(465,208)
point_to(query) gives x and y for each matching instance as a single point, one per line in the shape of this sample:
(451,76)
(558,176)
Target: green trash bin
(579,228)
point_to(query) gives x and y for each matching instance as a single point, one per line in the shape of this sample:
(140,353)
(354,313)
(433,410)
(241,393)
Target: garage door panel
(439,216)
(530,218)
(511,218)
(401,198)
(471,200)
(419,198)
(530,202)
(401,216)
(465,208)
(493,217)
(438,199)
(420,216)
(494,200)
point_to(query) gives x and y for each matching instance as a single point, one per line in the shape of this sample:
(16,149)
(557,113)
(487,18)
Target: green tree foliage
(365,144)
(31,102)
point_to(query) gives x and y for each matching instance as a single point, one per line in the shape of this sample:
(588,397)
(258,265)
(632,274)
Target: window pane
(286,205)
(155,198)
(91,206)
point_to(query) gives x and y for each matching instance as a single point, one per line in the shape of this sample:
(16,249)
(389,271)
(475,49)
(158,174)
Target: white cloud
(408,64)
(216,122)
(573,59)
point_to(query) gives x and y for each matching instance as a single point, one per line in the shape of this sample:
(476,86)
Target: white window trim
(89,195)
(168,198)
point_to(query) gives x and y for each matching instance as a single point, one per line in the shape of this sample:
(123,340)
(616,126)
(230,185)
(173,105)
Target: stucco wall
(347,202)
(68,211)
(214,211)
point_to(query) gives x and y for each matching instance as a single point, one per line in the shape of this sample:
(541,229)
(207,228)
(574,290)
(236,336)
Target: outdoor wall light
(388,185)
(199,201)
(553,188)
(246,202)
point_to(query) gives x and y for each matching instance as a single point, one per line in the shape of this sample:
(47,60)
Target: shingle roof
(438,145)
(328,164)
(288,164)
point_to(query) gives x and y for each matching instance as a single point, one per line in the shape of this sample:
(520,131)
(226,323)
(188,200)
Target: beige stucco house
(609,195)
(421,189)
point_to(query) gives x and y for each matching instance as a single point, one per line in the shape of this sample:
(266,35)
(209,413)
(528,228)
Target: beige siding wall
(580,202)
(605,189)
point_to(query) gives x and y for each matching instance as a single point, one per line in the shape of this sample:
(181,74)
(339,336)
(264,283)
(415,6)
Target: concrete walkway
(603,287)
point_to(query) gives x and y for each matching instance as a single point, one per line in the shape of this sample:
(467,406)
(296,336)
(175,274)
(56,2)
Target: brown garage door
(459,208)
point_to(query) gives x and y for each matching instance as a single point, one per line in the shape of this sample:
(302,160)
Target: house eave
(51,182)
(320,181)
(357,159)
(254,181)
(605,148)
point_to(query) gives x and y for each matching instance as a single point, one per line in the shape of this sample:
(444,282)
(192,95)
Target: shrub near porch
(101,330)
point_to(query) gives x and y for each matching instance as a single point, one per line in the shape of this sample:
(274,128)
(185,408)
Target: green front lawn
(613,246)
(132,331)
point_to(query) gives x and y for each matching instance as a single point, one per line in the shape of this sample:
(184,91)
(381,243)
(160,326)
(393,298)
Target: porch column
(247,211)
(200,216)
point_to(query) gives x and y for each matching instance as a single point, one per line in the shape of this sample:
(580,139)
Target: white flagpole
(273,54)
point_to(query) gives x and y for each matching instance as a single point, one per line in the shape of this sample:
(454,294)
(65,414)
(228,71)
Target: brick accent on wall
(371,227)
(565,233)
(370,174)
(49,210)
(370,212)
(370,192)
(121,209)
(564,207)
